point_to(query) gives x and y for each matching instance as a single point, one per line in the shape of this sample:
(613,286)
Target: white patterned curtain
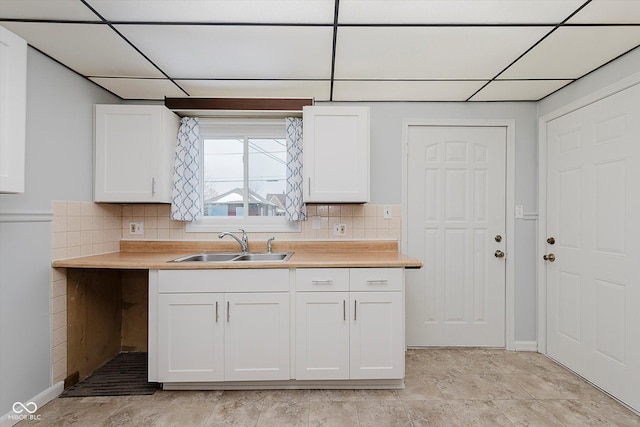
(185,200)
(295,209)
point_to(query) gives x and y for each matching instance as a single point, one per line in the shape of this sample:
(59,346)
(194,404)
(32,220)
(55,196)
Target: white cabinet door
(190,337)
(257,336)
(134,150)
(13,110)
(336,154)
(377,335)
(322,335)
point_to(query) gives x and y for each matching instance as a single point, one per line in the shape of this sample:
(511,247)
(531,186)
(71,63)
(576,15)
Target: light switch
(519,211)
(387,212)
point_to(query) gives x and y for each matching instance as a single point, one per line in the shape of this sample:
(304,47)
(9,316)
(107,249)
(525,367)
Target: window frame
(212,128)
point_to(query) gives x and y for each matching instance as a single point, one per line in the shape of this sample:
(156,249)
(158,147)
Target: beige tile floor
(444,387)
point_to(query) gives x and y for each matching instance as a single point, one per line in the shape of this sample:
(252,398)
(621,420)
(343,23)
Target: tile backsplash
(362,222)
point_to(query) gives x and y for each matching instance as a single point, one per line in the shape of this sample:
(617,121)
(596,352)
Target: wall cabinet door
(13,111)
(377,335)
(322,335)
(134,153)
(190,337)
(336,154)
(257,336)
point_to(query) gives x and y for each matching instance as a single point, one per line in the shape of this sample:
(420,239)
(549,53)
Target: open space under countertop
(141,254)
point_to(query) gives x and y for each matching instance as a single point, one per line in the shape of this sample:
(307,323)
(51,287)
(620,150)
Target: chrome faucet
(269,244)
(244,243)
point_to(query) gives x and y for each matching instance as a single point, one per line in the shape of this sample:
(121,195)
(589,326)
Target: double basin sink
(235,257)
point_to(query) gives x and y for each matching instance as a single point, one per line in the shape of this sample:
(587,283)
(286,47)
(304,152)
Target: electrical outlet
(339,229)
(387,212)
(136,227)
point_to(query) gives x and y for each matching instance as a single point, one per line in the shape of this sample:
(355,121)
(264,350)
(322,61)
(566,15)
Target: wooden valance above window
(236,106)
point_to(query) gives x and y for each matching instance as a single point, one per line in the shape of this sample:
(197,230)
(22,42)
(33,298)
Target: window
(244,170)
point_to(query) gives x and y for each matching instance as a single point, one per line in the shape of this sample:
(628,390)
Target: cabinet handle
(217,317)
(228,312)
(344,310)
(355,310)
(309,187)
(322,282)
(377,281)
(153,186)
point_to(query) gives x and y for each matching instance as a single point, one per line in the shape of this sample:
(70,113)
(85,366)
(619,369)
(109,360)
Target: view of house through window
(244,176)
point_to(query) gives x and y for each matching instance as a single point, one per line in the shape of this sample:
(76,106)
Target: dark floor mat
(124,375)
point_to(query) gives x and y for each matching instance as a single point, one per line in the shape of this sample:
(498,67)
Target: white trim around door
(510,203)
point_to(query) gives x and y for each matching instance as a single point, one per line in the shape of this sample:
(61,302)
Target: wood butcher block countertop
(139,254)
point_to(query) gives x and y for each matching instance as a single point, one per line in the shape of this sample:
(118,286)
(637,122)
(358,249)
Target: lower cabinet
(221,336)
(209,326)
(349,335)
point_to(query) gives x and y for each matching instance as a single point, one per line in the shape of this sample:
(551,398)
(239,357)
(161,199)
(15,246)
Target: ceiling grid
(339,50)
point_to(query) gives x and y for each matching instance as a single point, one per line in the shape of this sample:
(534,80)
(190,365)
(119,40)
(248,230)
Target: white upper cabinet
(336,154)
(13,111)
(134,153)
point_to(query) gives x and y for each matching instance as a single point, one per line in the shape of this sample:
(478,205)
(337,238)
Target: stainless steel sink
(264,256)
(208,257)
(235,256)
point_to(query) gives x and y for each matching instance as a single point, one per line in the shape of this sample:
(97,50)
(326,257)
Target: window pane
(267,176)
(223,177)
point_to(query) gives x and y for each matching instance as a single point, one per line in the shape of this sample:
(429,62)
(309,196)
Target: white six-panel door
(593,214)
(455,213)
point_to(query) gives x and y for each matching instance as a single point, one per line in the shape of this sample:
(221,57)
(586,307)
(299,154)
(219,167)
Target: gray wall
(386,177)
(59,167)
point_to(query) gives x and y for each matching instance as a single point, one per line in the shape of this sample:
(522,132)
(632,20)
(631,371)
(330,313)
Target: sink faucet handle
(245,240)
(269,243)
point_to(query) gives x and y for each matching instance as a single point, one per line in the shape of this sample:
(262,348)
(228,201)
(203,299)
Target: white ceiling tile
(236,51)
(358,90)
(139,88)
(320,90)
(518,90)
(571,52)
(456,11)
(271,11)
(89,49)
(608,11)
(447,53)
(72,10)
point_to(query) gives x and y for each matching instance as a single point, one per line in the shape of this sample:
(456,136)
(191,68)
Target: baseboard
(526,346)
(12,418)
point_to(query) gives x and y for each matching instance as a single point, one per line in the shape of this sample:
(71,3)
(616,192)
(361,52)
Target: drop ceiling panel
(608,11)
(518,90)
(456,11)
(320,90)
(571,52)
(139,88)
(448,53)
(236,51)
(254,11)
(353,90)
(72,10)
(89,49)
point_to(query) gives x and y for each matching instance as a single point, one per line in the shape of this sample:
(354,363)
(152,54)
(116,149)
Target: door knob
(498,238)
(499,254)
(550,257)
(551,240)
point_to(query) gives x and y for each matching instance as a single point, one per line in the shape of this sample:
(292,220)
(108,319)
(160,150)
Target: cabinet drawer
(376,279)
(322,279)
(249,280)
